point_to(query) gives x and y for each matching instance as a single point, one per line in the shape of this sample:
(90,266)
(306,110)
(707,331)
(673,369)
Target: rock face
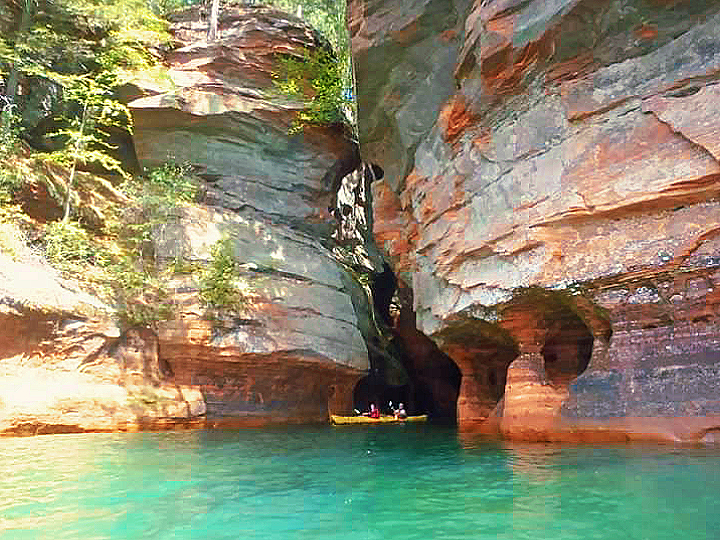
(67,367)
(292,352)
(550,194)
(296,347)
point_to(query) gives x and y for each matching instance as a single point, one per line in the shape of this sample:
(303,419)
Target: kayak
(386,419)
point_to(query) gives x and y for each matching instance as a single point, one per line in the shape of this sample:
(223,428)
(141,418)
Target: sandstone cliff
(551,200)
(295,349)
(298,345)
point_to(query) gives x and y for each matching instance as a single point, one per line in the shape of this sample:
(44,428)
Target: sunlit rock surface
(295,349)
(558,158)
(67,367)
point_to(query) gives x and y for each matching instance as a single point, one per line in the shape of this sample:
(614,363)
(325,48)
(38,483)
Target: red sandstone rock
(295,350)
(394,229)
(568,159)
(531,405)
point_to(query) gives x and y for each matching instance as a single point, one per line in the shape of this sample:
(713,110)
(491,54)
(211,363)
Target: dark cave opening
(383,286)
(408,368)
(431,381)
(432,388)
(567,350)
(405,365)
(497,374)
(373,389)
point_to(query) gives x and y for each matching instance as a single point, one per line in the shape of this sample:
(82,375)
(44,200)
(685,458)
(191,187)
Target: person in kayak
(374,412)
(400,412)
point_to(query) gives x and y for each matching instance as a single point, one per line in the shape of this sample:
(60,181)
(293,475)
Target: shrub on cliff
(138,286)
(139,290)
(315,78)
(219,287)
(67,244)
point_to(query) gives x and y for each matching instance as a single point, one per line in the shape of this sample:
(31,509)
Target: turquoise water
(348,483)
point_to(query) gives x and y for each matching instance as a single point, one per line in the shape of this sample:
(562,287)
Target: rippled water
(386,482)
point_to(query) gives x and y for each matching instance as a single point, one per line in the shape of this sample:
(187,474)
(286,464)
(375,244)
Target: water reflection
(538,489)
(534,462)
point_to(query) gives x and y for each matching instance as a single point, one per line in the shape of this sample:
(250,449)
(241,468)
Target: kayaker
(374,412)
(400,412)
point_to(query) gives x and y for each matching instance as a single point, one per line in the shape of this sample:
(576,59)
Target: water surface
(350,483)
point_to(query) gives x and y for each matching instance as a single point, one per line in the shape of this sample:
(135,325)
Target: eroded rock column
(531,405)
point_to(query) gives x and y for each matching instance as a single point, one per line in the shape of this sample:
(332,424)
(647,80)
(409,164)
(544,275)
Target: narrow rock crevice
(405,365)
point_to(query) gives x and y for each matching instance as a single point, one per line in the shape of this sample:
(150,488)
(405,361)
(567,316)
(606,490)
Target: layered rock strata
(294,349)
(550,192)
(66,366)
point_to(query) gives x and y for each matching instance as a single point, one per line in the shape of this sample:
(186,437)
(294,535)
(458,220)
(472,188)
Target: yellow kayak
(335,419)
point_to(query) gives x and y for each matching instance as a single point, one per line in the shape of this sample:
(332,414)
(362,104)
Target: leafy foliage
(163,8)
(9,129)
(86,135)
(218,281)
(67,244)
(139,291)
(175,181)
(326,16)
(138,286)
(63,64)
(10,178)
(69,56)
(329,18)
(316,75)
(158,194)
(9,184)
(122,265)
(83,36)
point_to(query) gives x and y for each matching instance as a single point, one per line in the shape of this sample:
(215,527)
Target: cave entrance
(412,370)
(545,322)
(405,365)
(567,350)
(495,370)
(432,387)
(484,363)
(434,377)
(372,389)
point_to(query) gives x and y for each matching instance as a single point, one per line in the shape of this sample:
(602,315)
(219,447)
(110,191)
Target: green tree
(316,76)
(329,74)
(63,63)
(85,135)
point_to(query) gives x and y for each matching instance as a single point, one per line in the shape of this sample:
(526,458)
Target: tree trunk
(214,16)
(71,179)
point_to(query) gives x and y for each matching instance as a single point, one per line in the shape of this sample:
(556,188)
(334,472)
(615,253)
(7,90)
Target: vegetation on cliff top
(61,63)
(317,76)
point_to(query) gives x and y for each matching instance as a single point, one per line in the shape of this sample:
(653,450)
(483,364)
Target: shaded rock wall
(567,146)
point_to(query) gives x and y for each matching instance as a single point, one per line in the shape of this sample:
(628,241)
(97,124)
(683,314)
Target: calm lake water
(382,482)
